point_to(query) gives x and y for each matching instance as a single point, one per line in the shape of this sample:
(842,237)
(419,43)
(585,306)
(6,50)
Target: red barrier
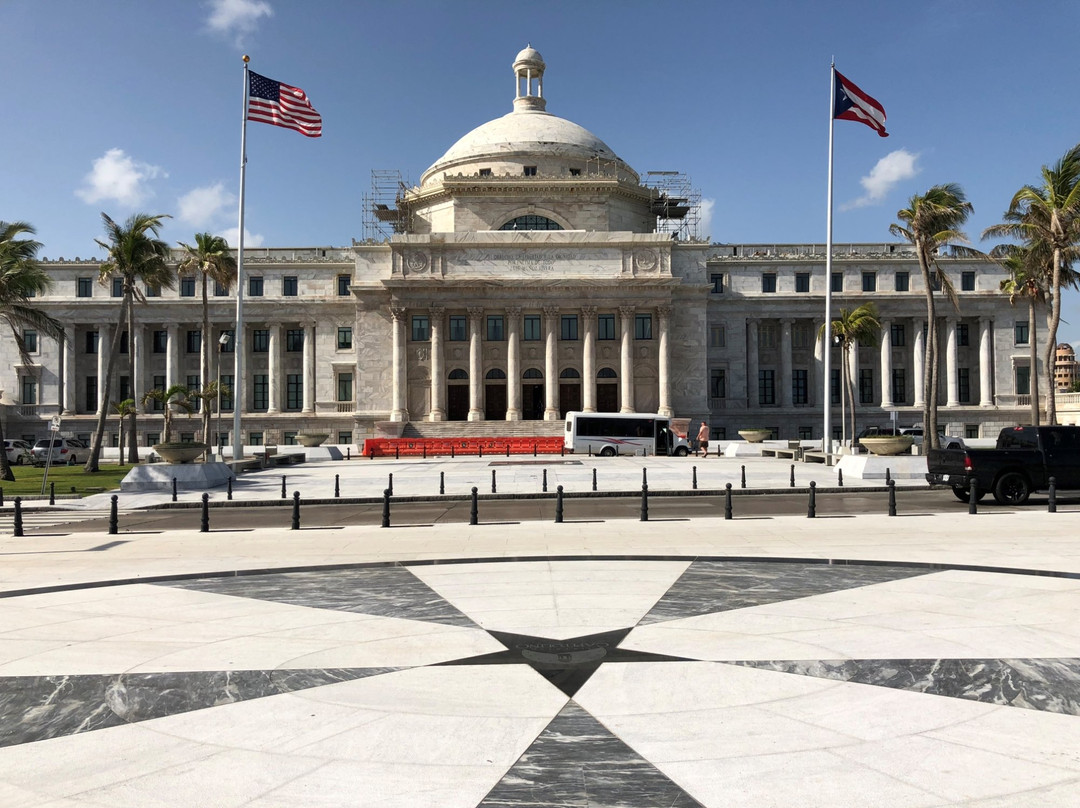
(432,447)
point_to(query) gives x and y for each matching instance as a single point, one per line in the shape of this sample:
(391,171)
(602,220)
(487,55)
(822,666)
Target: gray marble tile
(34,708)
(718,586)
(1051,685)
(381,591)
(577,763)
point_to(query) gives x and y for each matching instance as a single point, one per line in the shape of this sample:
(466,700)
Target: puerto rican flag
(852,104)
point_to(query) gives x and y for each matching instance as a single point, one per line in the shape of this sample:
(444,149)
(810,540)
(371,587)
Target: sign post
(54,427)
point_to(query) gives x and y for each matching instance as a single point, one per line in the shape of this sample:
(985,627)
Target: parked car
(16,451)
(64,450)
(1024,460)
(944,441)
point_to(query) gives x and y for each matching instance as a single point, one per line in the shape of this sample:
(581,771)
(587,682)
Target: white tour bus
(610,433)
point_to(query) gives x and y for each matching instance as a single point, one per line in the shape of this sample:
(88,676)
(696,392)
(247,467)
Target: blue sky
(120,105)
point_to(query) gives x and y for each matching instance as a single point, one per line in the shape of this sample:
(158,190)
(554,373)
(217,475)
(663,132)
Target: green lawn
(68,479)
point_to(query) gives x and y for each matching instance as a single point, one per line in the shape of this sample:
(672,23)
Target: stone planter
(312,439)
(180,452)
(754,435)
(887,444)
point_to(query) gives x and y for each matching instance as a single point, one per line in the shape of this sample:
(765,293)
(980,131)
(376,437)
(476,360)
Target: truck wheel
(682,451)
(965,496)
(1012,488)
(607,451)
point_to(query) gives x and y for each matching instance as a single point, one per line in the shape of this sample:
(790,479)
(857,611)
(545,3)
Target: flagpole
(238,334)
(826,441)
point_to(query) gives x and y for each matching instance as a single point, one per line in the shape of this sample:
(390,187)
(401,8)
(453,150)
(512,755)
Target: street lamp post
(223,340)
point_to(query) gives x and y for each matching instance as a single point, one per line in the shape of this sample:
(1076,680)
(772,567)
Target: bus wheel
(607,451)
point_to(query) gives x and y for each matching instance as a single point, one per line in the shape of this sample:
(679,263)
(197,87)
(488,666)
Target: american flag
(279,104)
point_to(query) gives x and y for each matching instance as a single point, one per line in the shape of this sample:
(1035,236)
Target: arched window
(607,373)
(531,222)
(457,374)
(495,373)
(532,373)
(569,373)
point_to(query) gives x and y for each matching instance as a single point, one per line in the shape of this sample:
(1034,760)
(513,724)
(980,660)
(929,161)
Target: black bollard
(544,482)
(892,497)
(811,509)
(973,497)
(386,507)
(474,510)
(204,520)
(17,530)
(337,486)
(507,448)
(1,497)
(644,476)
(52,493)
(644,502)
(727,501)
(534,448)
(840,477)
(480,450)
(742,482)
(558,503)
(229,493)
(114,526)
(397,451)
(1051,500)
(718,452)
(390,483)
(693,481)
(442,482)
(792,485)
(425,450)
(888,475)
(283,494)
(348,453)
(295,510)
(590,450)
(494,490)
(594,479)
(174,489)
(451,451)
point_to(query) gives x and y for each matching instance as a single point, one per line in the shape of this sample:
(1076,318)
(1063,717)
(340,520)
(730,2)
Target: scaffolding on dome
(383,216)
(676,204)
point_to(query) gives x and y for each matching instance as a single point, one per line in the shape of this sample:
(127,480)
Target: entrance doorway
(532,395)
(457,396)
(607,390)
(569,391)
(495,395)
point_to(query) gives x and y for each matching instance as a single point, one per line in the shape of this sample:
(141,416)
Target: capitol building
(531,272)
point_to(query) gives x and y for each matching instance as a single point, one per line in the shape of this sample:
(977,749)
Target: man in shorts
(703,438)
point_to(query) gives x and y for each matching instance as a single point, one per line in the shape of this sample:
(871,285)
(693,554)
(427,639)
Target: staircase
(483,429)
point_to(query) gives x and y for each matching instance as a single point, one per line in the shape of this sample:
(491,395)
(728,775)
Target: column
(274,371)
(918,362)
(588,359)
(986,368)
(853,374)
(785,381)
(816,386)
(138,365)
(438,370)
(626,358)
(397,397)
(551,364)
(104,332)
(513,363)
(886,363)
(950,363)
(69,370)
(309,368)
(476,409)
(664,316)
(172,355)
(752,400)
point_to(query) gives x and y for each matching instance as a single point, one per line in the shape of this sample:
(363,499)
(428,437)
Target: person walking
(703,439)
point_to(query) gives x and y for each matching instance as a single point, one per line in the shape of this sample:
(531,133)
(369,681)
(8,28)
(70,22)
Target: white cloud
(201,206)
(237,18)
(250,239)
(893,168)
(116,176)
(705,222)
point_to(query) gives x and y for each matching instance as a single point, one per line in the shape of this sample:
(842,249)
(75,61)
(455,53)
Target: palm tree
(1047,217)
(122,409)
(137,256)
(932,222)
(1027,279)
(212,259)
(849,329)
(178,396)
(22,277)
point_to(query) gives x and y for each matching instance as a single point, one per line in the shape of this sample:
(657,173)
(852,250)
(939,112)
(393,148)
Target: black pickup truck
(1025,459)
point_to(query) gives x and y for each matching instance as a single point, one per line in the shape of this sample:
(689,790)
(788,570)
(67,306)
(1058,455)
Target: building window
(260,340)
(967,281)
(806,433)
(766,387)
(260,391)
(187,287)
(294,339)
(718,383)
(902,281)
(220,289)
(91,394)
(344,438)
(343,282)
(123,345)
(421,328)
(92,339)
(802,281)
(289,286)
(963,385)
(344,338)
(866,385)
(344,387)
(255,438)
(767,335)
(117,287)
(531,222)
(227,388)
(717,280)
(194,341)
(642,326)
(898,335)
(899,386)
(30,341)
(29,391)
(834,385)
(294,391)
(495,331)
(84,287)
(255,286)
(230,343)
(963,337)
(458,328)
(605,326)
(800,336)
(799,386)
(717,336)
(568,327)
(530,327)
(153,291)
(288,438)
(971,431)
(160,342)
(485,172)
(768,282)
(837,282)
(1020,332)
(869,281)
(575,172)
(193,386)
(529,171)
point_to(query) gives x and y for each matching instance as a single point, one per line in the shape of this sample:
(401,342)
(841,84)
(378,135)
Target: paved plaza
(921,660)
